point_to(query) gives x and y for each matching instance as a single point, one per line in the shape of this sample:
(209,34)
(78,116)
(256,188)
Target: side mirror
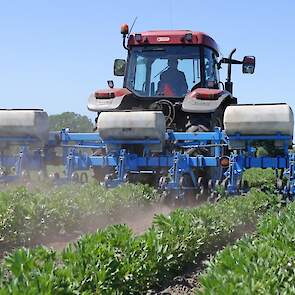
(119,67)
(111,84)
(248,64)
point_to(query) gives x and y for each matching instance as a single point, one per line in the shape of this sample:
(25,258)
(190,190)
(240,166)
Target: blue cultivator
(183,165)
(177,172)
(172,170)
(246,158)
(23,155)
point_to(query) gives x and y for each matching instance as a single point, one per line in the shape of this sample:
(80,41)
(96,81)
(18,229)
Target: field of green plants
(253,236)
(28,216)
(262,263)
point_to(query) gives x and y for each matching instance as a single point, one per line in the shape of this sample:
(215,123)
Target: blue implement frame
(172,160)
(83,151)
(246,158)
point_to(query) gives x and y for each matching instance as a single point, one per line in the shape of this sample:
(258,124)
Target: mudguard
(107,99)
(203,100)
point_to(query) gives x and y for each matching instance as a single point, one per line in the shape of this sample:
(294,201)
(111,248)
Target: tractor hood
(106,99)
(204,100)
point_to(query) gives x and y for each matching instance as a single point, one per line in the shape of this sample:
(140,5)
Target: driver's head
(173,63)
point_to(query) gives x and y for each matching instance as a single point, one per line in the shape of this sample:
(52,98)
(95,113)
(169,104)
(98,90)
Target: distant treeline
(76,122)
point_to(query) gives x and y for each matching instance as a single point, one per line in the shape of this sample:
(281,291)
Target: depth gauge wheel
(99,173)
(203,190)
(187,190)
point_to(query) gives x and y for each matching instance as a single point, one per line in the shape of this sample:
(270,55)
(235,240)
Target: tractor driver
(172,81)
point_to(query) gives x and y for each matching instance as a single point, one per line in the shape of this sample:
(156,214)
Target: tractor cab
(176,72)
(168,68)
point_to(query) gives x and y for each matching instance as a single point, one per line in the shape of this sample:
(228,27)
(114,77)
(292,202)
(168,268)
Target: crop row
(263,263)
(26,216)
(115,261)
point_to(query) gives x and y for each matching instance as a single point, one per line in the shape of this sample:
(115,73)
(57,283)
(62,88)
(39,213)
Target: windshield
(163,70)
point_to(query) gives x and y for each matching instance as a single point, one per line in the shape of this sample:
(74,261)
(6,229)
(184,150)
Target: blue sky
(54,53)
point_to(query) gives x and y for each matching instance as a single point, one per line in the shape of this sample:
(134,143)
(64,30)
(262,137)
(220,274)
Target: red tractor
(176,72)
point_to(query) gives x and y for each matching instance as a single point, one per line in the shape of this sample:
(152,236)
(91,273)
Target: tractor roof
(173,37)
